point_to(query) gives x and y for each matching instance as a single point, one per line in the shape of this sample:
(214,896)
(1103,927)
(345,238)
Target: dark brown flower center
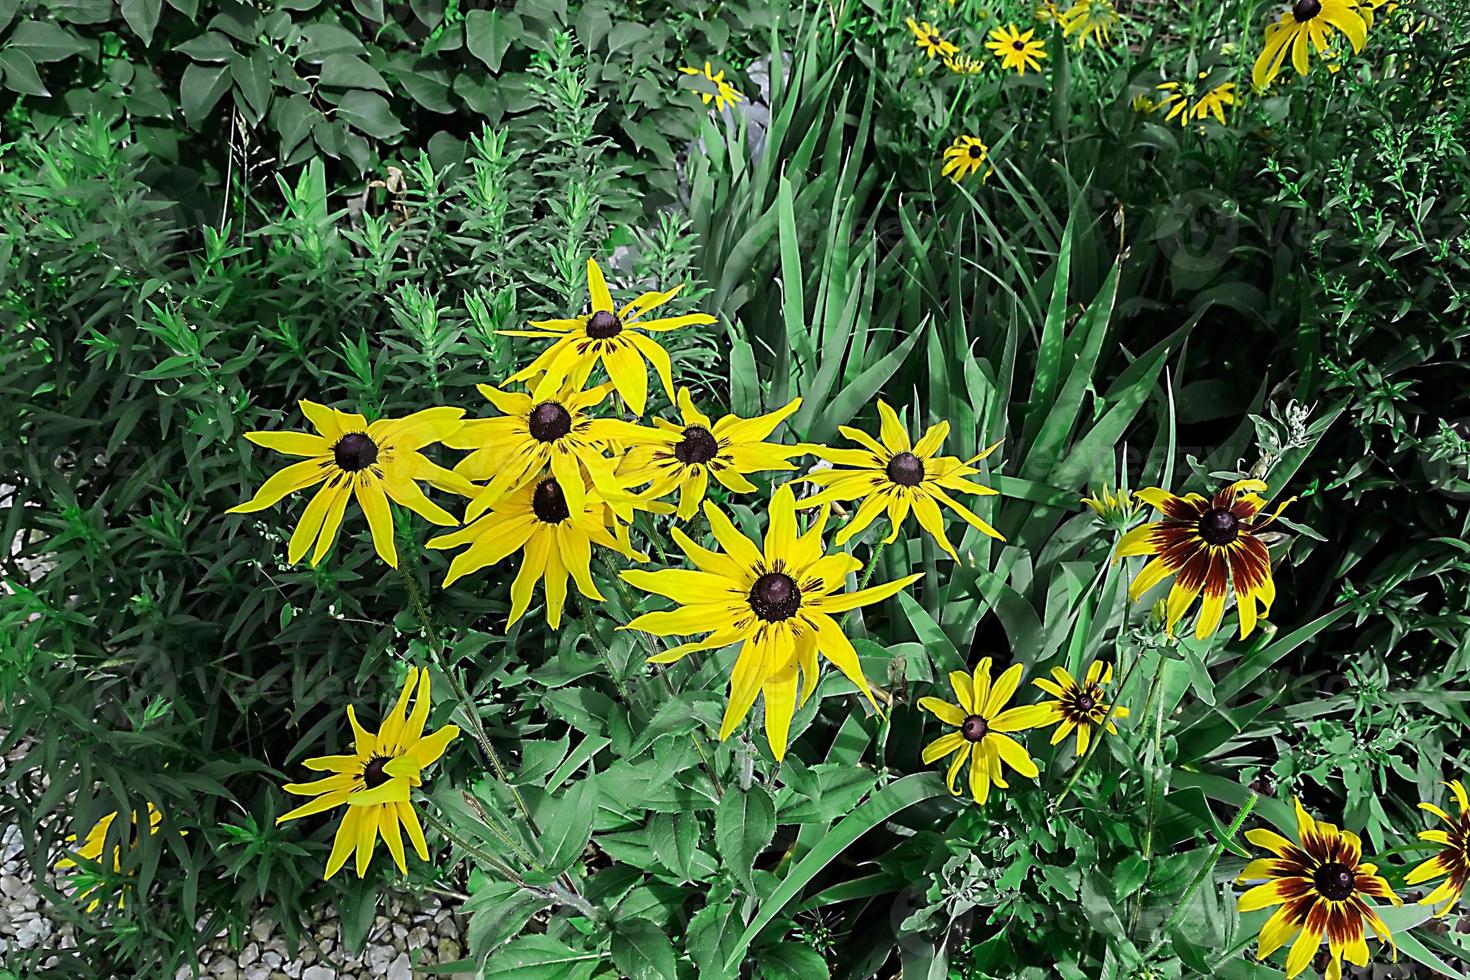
(355,451)
(1305,10)
(548,502)
(1018,44)
(549,421)
(1219,526)
(602,325)
(906,469)
(775,597)
(975,151)
(373,773)
(1334,881)
(1086,703)
(974,728)
(697,446)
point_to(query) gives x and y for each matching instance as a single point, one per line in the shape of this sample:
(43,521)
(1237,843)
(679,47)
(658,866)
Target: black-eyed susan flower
(87,883)
(1082,708)
(1207,544)
(684,455)
(776,599)
(1115,510)
(1322,886)
(555,540)
(1196,100)
(963,64)
(1452,863)
(965,156)
(930,40)
(618,339)
(374,462)
(898,476)
(714,88)
(1048,12)
(374,781)
(983,728)
(1090,19)
(1304,25)
(549,429)
(1016,49)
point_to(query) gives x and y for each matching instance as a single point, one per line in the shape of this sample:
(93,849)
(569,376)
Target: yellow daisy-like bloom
(1207,544)
(548,428)
(965,156)
(1078,707)
(91,851)
(1453,861)
(374,781)
(1144,104)
(1196,100)
(618,339)
(930,40)
(1113,509)
(1307,24)
(1090,18)
(1048,12)
(963,64)
(724,93)
(1321,886)
(1017,50)
(776,599)
(684,456)
(373,462)
(557,541)
(899,476)
(983,726)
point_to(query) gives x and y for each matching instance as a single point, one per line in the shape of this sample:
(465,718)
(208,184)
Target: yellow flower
(1143,103)
(929,40)
(983,726)
(1115,510)
(723,93)
(617,339)
(1307,24)
(965,156)
(1206,544)
(1078,707)
(776,599)
(899,476)
(1048,12)
(1453,861)
(373,462)
(550,427)
(1320,885)
(1196,100)
(375,779)
(1090,18)
(686,455)
(87,882)
(1017,50)
(557,541)
(963,64)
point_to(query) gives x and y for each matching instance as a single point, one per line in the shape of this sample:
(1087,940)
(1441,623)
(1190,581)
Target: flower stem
(1199,876)
(461,693)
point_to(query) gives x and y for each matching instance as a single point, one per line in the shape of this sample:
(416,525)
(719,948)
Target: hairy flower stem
(461,694)
(1099,737)
(1150,773)
(603,652)
(1199,876)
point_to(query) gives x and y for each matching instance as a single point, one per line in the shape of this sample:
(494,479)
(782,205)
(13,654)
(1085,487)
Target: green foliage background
(211,210)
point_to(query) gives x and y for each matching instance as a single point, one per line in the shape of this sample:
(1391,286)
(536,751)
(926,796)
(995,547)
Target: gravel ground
(404,936)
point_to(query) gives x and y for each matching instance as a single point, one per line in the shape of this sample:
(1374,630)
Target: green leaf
(200,90)
(745,824)
(368,112)
(790,961)
(44,41)
(350,71)
(565,835)
(20,73)
(142,16)
(891,799)
(712,934)
(641,950)
(489,34)
(540,958)
(209,46)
